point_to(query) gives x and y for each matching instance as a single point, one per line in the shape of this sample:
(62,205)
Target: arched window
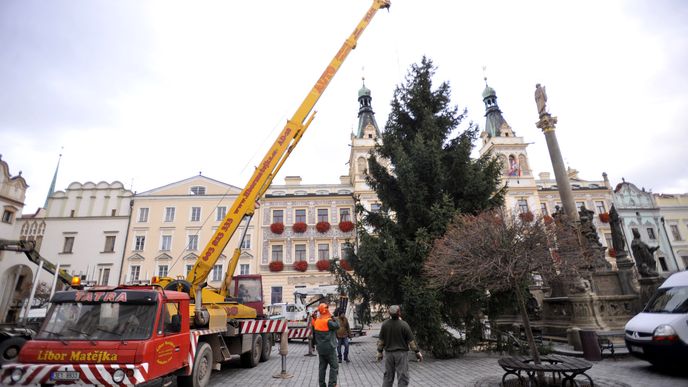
(361,166)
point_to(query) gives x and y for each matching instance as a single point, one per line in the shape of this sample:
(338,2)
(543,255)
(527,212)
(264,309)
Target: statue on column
(541,99)
(644,256)
(618,242)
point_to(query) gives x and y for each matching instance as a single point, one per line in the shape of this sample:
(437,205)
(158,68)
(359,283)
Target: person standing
(324,332)
(343,335)
(395,340)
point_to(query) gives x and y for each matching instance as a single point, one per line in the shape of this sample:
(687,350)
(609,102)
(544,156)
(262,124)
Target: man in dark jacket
(395,339)
(324,333)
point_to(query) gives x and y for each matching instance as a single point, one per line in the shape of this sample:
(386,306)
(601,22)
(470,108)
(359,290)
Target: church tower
(500,140)
(363,140)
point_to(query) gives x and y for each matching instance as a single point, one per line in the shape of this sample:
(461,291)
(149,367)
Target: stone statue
(644,256)
(588,228)
(541,99)
(617,233)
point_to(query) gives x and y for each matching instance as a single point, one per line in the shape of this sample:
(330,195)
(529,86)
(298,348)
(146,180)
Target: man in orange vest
(325,335)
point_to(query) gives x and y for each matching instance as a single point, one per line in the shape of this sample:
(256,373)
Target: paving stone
(478,370)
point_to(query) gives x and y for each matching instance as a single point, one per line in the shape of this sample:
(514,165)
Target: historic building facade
(16,272)
(673,211)
(171,225)
(640,210)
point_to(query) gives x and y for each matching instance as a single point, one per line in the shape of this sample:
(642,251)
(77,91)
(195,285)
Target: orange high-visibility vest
(320,324)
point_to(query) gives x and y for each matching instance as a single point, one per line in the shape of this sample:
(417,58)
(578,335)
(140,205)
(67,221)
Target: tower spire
(52,184)
(366,115)
(493,116)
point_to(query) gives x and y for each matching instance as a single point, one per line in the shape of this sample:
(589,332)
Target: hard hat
(323,308)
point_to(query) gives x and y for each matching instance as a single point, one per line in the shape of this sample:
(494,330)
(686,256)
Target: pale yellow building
(673,210)
(171,225)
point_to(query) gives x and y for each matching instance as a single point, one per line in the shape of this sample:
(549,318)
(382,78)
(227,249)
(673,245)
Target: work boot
(347,360)
(340,360)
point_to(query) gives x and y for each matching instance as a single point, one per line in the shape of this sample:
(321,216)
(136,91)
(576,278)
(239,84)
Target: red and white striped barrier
(93,374)
(263,326)
(299,333)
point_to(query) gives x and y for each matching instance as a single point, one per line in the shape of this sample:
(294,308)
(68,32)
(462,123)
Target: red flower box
(612,252)
(548,219)
(299,227)
(277,228)
(345,265)
(526,216)
(604,217)
(323,265)
(300,265)
(322,227)
(346,226)
(276,265)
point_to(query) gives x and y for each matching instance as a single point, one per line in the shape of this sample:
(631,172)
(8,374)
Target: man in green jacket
(395,339)
(324,333)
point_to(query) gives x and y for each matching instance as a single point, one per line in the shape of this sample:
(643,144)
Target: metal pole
(33,290)
(310,337)
(52,290)
(284,350)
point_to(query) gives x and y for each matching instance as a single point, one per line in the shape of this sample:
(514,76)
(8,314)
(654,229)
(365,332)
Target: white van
(659,334)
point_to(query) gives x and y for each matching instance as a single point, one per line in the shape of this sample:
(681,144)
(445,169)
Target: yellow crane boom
(244,205)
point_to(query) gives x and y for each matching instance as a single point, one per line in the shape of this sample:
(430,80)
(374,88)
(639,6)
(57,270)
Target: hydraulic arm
(244,205)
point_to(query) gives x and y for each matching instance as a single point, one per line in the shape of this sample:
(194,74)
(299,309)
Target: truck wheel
(9,349)
(251,358)
(202,368)
(267,347)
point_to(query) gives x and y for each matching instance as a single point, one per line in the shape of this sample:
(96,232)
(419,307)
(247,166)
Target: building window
(276,294)
(300,252)
(323,215)
(193,243)
(169,214)
(143,215)
(109,244)
(543,209)
(662,263)
(7,216)
(189,267)
(246,243)
(195,214)
(601,208)
(217,272)
(113,212)
(608,238)
(139,243)
(300,216)
(579,205)
(162,270)
(134,272)
(277,216)
(651,233)
(685,261)
(674,232)
(345,215)
(375,207)
(323,251)
(197,190)
(68,245)
(243,269)
(522,206)
(221,213)
(277,252)
(104,275)
(166,244)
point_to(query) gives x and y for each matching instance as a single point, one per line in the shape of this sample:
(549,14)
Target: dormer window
(198,190)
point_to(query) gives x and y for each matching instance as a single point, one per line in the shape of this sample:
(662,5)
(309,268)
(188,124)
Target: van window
(669,300)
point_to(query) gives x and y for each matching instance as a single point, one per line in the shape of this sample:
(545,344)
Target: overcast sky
(152,92)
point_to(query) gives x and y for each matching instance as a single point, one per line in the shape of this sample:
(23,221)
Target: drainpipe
(669,241)
(126,240)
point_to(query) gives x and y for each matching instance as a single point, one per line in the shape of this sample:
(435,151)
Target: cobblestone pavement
(472,370)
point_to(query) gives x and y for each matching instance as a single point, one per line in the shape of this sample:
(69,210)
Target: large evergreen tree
(423,175)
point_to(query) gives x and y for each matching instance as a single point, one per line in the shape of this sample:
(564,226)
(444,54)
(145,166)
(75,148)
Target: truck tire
(251,358)
(9,349)
(202,368)
(266,351)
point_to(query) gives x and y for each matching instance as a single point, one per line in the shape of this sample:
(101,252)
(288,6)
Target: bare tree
(498,252)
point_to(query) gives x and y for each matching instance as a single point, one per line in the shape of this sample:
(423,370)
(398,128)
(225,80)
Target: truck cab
(107,336)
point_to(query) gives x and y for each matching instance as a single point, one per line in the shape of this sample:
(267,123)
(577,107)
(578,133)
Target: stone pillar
(548,124)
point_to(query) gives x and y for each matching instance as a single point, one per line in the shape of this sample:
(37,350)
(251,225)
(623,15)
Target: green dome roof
(488,92)
(364,91)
